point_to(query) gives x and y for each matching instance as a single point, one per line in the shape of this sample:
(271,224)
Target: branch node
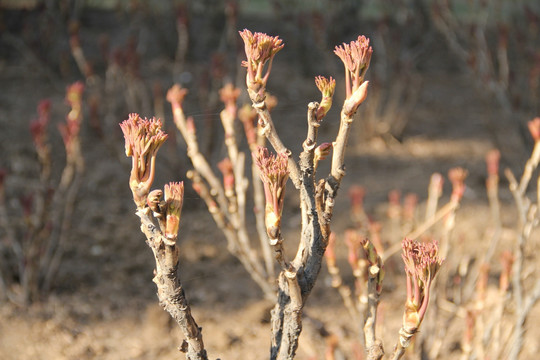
(374,270)
(259,105)
(169,242)
(309,145)
(405,337)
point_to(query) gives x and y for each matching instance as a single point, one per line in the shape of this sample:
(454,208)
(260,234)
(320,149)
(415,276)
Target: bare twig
(434,193)
(528,219)
(375,276)
(175,96)
(337,280)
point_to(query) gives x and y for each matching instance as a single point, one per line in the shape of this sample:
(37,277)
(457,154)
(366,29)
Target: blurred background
(449,81)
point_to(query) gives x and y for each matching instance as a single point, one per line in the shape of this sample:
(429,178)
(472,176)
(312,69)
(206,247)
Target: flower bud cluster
(260,50)
(326,87)
(174,199)
(421,266)
(143,138)
(274,174)
(356,57)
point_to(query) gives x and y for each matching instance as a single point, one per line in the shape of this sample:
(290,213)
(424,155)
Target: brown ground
(104,306)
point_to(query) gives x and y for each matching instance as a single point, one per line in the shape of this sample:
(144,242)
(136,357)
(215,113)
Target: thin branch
(373,345)
(344,290)
(521,316)
(530,166)
(63,231)
(405,339)
(527,220)
(434,193)
(240,221)
(170,291)
(313,127)
(337,171)
(269,130)
(230,234)
(198,160)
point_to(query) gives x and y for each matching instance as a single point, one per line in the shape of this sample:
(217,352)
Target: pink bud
(457,177)
(322,151)
(492,162)
(353,242)
(174,199)
(74,93)
(228,95)
(436,184)
(534,128)
(247,115)
(356,99)
(176,95)
(326,87)
(226,168)
(153,200)
(507,261)
(330,252)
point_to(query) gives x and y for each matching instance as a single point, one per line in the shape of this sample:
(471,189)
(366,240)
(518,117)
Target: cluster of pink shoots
(274,175)
(143,138)
(421,266)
